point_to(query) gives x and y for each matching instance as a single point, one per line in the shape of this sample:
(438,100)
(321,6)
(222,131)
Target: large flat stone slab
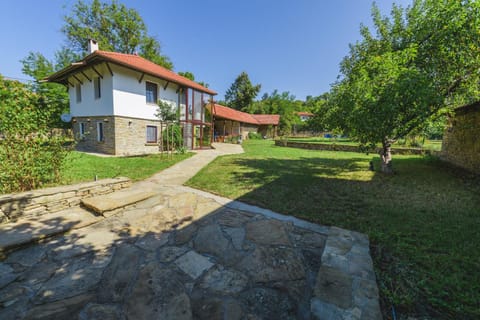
(22,232)
(109,202)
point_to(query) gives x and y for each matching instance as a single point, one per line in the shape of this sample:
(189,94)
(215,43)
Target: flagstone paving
(187,254)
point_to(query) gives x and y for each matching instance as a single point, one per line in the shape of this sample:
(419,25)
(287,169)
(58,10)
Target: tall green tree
(115,27)
(422,61)
(283,104)
(55,95)
(242,92)
(187,74)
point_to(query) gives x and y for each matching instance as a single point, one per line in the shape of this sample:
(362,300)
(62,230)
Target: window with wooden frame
(97,88)
(78,92)
(100,134)
(81,130)
(151,92)
(151,134)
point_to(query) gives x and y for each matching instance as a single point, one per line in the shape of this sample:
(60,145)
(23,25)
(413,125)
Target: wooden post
(168,145)
(173,140)
(161,139)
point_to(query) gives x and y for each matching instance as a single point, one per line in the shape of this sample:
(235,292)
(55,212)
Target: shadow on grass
(420,221)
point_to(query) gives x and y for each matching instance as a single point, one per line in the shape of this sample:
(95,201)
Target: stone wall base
(39,202)
(347,148)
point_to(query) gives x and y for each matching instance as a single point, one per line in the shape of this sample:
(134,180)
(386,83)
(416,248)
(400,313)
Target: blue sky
(288,45)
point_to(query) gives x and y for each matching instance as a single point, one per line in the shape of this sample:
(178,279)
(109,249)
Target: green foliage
(55,95)
(172,137)
(241,93)
(30,154)
(166,112)
(187,74)
(421,61)
(283,104)
(254,135)
(115,27)
(181,150)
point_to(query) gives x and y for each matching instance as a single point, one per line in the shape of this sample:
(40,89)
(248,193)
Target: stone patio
(187,254)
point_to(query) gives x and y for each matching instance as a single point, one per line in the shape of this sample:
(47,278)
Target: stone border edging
(38,202)
(348,148)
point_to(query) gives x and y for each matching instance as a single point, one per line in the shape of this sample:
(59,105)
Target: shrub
(172,137)
(254,135)
(31,154)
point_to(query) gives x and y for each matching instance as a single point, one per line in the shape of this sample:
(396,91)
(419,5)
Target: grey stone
(269,304)
(267,232)
(119,199)
(313,239)
(158,294)
(73,278)
(365,294)
(119,274)
(361,266)
(152,241)
(206,307)
(224,281)
(193,264)
(182,200)
(14,312)
(237,235)
(232,310)
(153,202)
(211,240)
(12,294)
(335,260)
(322,310)
(296,289)
(266,264)
(84,241)
(3,216)
(7,275)
(313,258)
(28,256)
(35,276)
(168,254)
(95,311)
(185,234)
(334,287)
(233,218)
(63,309)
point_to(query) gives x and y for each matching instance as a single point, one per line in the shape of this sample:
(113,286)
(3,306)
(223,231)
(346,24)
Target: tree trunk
(386,156)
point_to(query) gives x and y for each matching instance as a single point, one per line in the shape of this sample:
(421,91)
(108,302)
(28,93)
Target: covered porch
(231,125)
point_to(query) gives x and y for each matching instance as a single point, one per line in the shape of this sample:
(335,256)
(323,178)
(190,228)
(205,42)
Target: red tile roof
(267,118)
(305,113)
(131,61)
(232,114)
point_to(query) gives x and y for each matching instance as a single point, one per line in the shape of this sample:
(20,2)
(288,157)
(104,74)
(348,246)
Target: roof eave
(61,75)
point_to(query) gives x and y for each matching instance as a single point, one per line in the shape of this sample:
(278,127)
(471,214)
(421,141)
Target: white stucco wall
(129,95)
(90,106)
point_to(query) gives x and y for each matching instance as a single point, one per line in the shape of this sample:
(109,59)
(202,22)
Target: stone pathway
(187,254)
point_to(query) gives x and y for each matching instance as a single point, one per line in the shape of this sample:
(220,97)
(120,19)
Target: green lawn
(434,145)
(80,167)
(423,222)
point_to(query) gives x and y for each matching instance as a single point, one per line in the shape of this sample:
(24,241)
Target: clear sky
(288,45)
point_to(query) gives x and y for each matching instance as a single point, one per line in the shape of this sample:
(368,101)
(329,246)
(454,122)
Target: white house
(304,115)
(113,103)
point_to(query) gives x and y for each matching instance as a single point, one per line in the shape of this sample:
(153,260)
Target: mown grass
(423,222)
(81,167)
(434,145)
